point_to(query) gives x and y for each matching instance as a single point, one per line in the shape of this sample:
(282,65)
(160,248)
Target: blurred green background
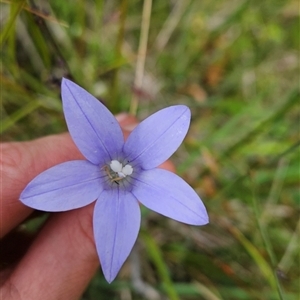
(235,64)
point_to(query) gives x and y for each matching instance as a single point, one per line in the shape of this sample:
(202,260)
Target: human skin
(62,258)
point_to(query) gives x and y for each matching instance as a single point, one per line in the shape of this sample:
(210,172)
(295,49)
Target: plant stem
(141,56)
(113,105)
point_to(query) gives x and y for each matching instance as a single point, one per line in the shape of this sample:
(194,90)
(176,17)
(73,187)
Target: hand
(62,258)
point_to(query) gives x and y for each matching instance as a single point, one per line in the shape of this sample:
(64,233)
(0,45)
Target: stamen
(116,166)
(127,170)
(116,172)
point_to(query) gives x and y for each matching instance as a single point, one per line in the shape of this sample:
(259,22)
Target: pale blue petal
(93,128)
(67,186)
(117,221)
(155,139)
(169,195)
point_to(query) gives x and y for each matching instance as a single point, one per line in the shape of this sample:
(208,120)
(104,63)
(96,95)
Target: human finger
(20,163)
(60,262)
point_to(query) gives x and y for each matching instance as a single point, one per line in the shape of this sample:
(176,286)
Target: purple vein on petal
(93,128)
(66,186)
(116,225)
(87,119)
(169,195)
(154,149)
(63,187)
(155,140)
(152,187)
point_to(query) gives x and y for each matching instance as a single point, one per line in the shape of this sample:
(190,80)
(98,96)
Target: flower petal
(169,195)
(93,128)
(117,221)
(155,139)
(67,186)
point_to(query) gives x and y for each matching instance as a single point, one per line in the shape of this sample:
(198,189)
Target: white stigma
(118,168)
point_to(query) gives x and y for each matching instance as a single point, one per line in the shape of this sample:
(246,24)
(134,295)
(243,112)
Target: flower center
(117,172)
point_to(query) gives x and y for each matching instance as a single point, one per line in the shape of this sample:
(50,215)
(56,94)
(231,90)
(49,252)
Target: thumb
(20,163)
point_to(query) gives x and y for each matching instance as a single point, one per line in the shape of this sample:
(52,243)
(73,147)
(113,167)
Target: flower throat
(117,172)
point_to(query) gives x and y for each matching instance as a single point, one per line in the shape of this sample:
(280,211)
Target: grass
(235,64)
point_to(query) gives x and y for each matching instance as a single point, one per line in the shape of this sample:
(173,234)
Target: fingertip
(168,165)
(127,121)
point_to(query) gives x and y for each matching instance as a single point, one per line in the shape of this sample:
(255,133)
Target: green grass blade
(255,254)
(206,292)
(16,8)
(19,114)
(156,256)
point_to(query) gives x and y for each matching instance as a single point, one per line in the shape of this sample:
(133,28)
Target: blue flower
(117,174)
